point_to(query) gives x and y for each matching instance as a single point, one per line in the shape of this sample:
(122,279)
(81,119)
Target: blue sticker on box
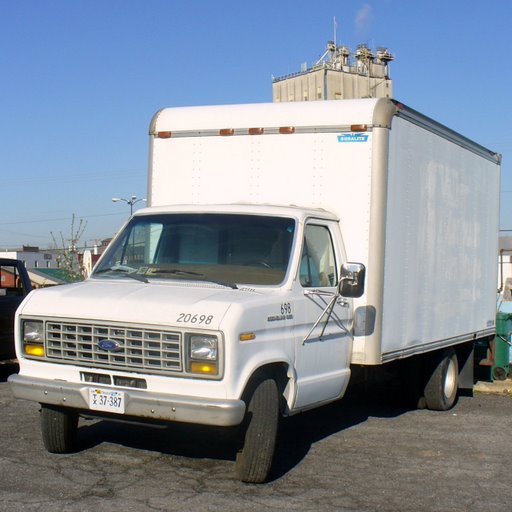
(353,137)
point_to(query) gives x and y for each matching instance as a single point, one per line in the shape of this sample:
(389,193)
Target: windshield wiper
(233,286)
(176,272)
(126,272)
(138,277)
(197,275)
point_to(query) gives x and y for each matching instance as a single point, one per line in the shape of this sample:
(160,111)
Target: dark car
(14,286)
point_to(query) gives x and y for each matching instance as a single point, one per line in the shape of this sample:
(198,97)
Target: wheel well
(276,371)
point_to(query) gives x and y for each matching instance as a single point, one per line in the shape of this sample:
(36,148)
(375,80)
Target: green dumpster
(501,367)
(492,358)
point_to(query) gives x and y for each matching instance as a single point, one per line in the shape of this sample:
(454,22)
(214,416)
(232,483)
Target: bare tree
(67,258)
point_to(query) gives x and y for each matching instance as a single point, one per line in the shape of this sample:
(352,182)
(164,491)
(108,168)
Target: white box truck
(283,247)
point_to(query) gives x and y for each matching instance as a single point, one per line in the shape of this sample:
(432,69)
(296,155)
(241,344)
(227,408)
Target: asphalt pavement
(360,454)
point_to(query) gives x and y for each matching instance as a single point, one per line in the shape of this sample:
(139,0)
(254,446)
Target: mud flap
(466,357)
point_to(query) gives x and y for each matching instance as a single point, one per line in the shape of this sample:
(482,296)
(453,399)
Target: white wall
(32,259)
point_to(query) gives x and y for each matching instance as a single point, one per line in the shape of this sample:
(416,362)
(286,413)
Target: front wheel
(59,428)
(254,460)
(443,381)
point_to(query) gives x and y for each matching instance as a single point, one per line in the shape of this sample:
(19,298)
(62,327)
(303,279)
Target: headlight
(203,354)
(203,347)
(32,332)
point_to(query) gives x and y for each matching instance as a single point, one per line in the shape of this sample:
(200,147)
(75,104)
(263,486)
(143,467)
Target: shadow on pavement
(6,369)
(297,434)
(179,439)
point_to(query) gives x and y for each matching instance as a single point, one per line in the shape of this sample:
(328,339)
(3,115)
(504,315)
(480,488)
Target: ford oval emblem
(109,345)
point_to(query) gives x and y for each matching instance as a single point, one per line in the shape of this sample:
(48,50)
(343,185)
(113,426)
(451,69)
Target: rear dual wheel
(443,381)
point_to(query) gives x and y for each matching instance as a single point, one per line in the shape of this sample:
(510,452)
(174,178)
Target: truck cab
(187,309)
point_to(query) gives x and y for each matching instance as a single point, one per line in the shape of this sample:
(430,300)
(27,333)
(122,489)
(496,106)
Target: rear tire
(59,428)
(443,381)
(254,460)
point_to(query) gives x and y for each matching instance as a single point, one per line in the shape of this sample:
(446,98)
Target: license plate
(106,400)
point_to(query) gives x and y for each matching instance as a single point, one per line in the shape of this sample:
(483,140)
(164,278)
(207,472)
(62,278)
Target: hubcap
(450,380)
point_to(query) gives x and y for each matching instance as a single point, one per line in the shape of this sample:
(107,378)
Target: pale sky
(81,80)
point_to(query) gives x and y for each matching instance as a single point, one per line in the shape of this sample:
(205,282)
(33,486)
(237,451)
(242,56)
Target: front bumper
(142,404)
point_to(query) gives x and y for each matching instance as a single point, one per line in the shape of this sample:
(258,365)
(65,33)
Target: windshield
(223,248)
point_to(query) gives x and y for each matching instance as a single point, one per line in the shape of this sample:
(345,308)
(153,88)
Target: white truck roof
(296,212)
(303,114)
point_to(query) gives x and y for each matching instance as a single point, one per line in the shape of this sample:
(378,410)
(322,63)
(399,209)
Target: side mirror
(352,280)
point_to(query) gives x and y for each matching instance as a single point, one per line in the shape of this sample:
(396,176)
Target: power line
(85,217)
(19,233)
(71,178)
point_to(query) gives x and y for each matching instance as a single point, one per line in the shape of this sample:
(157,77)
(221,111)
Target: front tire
(59,427)
(254,460)
(443,381)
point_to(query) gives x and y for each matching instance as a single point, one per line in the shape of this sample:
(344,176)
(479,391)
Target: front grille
(131,348)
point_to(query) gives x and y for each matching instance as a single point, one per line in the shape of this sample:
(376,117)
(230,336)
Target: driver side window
(318,264)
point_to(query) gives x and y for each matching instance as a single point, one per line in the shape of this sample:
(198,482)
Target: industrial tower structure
(338,74)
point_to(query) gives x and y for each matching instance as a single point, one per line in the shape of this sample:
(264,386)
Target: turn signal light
(204,368)
(34,350)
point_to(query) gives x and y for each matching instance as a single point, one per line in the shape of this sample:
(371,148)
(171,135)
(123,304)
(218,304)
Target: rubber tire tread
(254,461)
(59,427)
(435,398)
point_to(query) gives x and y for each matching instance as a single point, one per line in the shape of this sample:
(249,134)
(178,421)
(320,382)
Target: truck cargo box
(418,204)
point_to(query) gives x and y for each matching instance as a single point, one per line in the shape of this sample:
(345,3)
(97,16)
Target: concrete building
(338,74)
(32,257)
